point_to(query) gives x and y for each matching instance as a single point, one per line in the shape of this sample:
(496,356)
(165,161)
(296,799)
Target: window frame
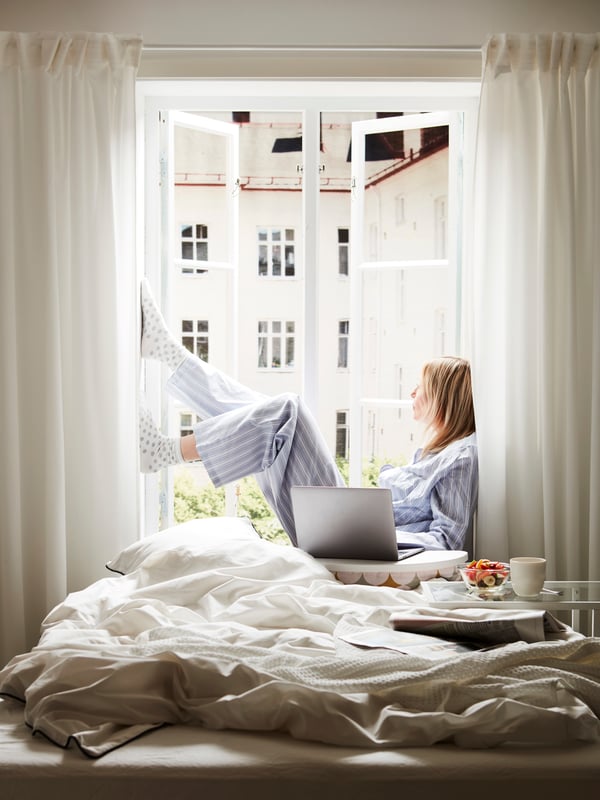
(310,98)
(366,259)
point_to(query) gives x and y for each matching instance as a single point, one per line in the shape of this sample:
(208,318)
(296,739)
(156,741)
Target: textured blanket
(210,625)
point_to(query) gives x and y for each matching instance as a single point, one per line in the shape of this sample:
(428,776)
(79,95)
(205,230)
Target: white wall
(417,23)
(335,22)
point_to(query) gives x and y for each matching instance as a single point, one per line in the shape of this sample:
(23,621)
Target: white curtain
(536,284)
(68,319)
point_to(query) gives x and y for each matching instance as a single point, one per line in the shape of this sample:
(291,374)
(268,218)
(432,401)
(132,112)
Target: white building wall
(400,306)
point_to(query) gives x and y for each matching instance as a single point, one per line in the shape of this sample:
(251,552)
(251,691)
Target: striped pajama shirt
(435,496)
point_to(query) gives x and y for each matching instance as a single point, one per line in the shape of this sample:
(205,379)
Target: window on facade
(342,434)
(276,344)
(276,252)
(343,331)
(343,251)
(194,248)
(194,337)
(187,421)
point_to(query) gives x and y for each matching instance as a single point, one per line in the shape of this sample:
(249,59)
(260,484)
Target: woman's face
(419,402)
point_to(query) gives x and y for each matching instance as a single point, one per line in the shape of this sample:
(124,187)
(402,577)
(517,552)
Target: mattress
(182,762)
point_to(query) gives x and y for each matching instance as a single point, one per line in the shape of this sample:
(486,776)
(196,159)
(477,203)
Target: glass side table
(580,599)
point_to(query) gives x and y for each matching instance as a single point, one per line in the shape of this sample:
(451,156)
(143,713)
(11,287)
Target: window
(266,208)
(276,252)
(342,434)
(343,245)
(194,337)
(194,247)
(343,330)
(187,421)
(276,344)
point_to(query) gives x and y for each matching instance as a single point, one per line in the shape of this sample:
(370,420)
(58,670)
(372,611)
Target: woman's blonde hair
(447,389)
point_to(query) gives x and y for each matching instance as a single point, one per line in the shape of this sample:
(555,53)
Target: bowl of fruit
(484,577)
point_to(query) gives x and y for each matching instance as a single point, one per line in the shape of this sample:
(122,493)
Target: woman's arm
(434,498)
(453,500)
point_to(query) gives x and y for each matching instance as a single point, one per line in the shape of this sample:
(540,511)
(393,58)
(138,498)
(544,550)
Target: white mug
(527,575)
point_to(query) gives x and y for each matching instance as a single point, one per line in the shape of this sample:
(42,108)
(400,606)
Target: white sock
(158,342)
(156,450)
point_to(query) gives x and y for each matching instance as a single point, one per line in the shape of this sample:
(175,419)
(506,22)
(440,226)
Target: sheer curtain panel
(68,319)
(536,282)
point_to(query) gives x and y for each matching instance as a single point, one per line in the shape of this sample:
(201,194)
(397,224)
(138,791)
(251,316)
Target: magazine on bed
(505,627)
(433,637)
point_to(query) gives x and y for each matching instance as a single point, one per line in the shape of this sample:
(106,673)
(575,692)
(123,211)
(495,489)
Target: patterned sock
(158,342)
(156,449)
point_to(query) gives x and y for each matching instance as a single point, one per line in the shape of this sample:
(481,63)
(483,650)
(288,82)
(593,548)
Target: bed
(212,663)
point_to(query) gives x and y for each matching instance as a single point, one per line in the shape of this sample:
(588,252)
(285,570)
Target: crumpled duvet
(233,632)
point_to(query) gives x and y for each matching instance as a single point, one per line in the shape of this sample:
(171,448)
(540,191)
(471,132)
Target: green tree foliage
(194,502)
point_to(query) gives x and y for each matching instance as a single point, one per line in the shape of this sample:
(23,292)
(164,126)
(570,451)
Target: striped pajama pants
(243,432)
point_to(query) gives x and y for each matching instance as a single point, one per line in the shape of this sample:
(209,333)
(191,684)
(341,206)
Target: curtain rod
(194,48)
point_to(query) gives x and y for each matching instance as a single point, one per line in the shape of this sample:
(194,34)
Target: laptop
(348,523)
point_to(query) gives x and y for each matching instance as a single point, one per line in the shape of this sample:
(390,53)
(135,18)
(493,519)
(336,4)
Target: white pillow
(196,533)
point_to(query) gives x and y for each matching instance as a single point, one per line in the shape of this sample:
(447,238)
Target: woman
(243,432)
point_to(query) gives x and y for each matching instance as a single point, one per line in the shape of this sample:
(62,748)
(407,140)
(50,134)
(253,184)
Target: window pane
(343,353)
(289,260)
(187,325)
(276,359)
(343,260)
(202,251)
(262,352)
(187,250)
(262,259)
(202,348)
(276,259)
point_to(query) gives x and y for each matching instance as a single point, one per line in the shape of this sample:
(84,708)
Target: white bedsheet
(231,632)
